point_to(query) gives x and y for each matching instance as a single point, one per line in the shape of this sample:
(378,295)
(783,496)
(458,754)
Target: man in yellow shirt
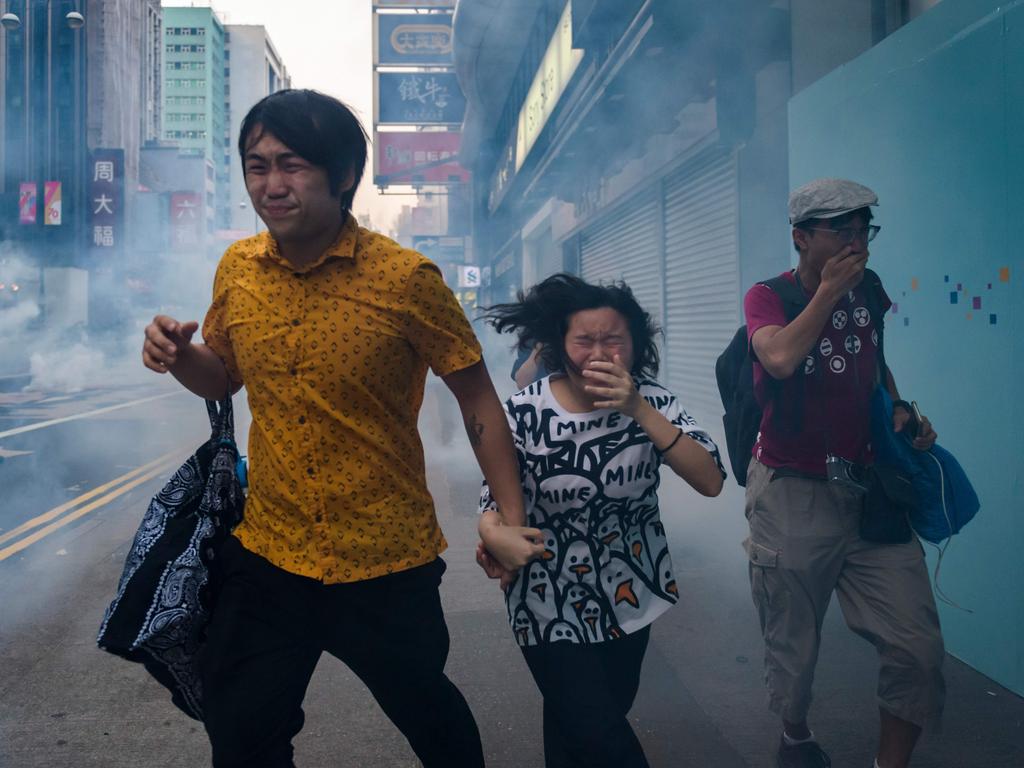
(331,329)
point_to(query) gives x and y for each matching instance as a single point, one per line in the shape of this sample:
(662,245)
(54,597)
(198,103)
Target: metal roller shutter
(626,245)
(701,278)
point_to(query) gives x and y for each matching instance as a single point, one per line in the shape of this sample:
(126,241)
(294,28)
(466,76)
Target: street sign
(417,158)
(469,276)
(413,39)
(419,98)
(106,195)
(440,248)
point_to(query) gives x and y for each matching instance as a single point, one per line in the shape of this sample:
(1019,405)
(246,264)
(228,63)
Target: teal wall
(933,120)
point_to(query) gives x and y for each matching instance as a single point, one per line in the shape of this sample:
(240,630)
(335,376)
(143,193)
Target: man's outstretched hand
(166,340)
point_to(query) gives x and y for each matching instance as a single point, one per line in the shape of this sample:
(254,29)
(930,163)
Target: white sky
(326,45)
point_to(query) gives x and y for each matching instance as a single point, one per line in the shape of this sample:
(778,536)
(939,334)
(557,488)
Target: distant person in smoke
(331,328)
(591,438)
(804,501)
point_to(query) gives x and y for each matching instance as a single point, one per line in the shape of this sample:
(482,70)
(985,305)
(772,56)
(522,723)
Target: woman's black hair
(316,127)
(541,315)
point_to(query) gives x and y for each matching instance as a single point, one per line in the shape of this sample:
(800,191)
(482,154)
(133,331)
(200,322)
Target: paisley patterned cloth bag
(169,583)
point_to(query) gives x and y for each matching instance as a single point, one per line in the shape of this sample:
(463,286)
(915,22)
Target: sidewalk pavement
(701,701)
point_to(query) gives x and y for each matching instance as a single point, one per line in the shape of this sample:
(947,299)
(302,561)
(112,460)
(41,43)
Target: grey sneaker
(807,754)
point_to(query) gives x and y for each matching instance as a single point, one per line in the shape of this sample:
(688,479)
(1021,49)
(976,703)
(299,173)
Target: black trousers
(268,630)
(588,691)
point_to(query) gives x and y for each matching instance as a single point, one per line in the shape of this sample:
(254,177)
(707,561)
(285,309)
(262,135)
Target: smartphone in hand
(913,425)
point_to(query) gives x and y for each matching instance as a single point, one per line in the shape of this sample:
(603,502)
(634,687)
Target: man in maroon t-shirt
(813,377)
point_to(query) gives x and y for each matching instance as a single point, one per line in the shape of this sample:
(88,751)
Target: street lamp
(73,19)
(44,125)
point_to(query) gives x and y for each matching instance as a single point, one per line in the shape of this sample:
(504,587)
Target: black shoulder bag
(166,592)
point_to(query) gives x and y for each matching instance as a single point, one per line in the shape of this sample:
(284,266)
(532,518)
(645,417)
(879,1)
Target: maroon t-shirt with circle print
(834,396)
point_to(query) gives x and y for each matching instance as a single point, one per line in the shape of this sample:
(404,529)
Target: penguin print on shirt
(590,482)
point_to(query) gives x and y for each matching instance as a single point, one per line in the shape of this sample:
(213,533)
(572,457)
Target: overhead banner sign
(106,195)
(413,39)
(417,158)
(52,207)
(27,202)
(419,98)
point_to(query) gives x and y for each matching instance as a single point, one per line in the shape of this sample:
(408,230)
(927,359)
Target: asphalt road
(701,702)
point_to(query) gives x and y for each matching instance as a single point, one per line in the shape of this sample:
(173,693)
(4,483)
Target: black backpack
(735,372)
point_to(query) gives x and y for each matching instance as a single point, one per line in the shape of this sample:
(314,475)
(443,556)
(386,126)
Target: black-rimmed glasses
(847,235)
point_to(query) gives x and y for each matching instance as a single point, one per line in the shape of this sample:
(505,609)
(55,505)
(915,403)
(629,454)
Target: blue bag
(946,498)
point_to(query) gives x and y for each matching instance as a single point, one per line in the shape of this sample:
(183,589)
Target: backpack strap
(873,292)
(793,302)
(791,294)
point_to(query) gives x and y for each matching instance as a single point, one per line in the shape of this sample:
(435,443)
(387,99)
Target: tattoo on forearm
(475,430)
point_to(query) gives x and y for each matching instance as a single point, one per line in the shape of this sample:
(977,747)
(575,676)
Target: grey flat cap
(828,198)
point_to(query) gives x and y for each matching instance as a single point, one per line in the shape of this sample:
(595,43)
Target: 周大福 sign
(419,98)
(406,39)
(106,196)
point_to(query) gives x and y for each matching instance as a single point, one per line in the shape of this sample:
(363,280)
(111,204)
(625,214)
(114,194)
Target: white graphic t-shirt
(590,482)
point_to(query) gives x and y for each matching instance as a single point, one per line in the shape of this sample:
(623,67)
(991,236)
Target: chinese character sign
(187,220)
(106,199)
(51,203)
(414,39)
(420,98)
(419,157)
(27,202)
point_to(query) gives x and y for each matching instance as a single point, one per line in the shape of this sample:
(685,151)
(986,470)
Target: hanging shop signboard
(419,98)
(413,39)
(52,207)
(549,83)
(27,202)
(106,196)
(419,157)
(187,220)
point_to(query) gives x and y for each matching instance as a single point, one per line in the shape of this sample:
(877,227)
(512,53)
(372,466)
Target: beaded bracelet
(670,446)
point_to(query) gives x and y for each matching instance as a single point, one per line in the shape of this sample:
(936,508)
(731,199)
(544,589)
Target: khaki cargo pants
(804,544)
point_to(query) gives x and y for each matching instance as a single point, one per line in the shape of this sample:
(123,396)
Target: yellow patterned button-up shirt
(334,357)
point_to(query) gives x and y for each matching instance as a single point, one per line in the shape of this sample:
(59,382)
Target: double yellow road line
(70,511)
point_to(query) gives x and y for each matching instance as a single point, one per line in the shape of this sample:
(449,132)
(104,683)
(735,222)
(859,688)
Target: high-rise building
(255,70)
(152,72)
(44,212)
(195,112)
(123,55)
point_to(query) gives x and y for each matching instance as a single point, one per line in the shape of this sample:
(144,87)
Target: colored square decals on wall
(914,283)
(945,279)
(990,286)
(954,297)
(991,319)
(906,321)
(895,308)
(1004,274)
(977,302)
(959,286)
(970,315)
